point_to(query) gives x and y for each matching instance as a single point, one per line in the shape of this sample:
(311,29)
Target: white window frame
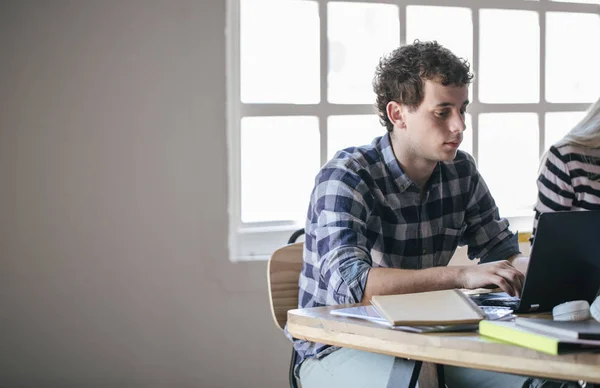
(257,241)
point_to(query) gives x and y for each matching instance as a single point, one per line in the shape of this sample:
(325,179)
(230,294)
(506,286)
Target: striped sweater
(569,180)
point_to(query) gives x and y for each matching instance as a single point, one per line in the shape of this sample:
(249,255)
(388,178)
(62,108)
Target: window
(299,89)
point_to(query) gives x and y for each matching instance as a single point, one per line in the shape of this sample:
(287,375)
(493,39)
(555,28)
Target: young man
(387,218)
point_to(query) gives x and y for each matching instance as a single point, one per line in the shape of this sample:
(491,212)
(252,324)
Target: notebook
(445,307)
(369,313)
(589,329)
(510,332)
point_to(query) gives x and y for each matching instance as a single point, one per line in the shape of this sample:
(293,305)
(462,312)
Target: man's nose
(457,123)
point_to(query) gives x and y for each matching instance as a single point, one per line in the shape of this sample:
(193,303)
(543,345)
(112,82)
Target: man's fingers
(514,278)
(521,279)
(503,284)
(519,274)
(501,274)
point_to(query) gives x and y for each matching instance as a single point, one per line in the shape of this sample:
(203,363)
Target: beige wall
(113,256)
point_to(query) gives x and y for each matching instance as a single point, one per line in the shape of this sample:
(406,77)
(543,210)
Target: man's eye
(441,114)
(463,112)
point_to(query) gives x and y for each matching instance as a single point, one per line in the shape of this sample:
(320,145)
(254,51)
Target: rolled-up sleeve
(503,250)
(339,215)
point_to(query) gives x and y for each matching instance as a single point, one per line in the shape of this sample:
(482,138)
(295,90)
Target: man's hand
(499,273)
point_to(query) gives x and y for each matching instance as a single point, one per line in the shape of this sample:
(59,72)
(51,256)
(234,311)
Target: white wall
(113,218)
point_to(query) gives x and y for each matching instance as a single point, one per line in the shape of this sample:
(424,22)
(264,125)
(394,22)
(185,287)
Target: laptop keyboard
(510,303)
(493,299)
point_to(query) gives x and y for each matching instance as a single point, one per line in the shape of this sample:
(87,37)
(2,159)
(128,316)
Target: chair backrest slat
(283,272)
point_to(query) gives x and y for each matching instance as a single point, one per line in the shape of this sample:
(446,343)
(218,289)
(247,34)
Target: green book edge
(519,337)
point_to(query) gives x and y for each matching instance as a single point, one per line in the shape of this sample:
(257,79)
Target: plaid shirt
(366,213)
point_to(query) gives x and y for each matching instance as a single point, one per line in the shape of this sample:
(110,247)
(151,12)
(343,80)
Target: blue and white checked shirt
(366,213)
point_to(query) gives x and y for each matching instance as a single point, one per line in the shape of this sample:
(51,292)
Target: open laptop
(564,264)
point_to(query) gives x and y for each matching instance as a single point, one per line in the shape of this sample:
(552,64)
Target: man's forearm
(386,281)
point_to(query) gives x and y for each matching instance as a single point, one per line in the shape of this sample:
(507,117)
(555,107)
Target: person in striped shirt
(569,177)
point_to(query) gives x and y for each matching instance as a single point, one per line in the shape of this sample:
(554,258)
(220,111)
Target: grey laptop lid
(564,262)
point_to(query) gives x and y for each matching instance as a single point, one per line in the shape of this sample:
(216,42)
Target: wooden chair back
(283,271)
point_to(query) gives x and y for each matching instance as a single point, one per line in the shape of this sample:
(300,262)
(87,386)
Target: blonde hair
(585,133)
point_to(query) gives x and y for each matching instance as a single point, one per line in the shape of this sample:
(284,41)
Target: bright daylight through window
(299,89)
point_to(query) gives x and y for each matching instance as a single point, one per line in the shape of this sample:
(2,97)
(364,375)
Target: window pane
(467,143)
(452,27)
(358,34)
(558,124)
(279,51)
(509,57)
(276,183)
(508,160)
(571,60)
(351,131)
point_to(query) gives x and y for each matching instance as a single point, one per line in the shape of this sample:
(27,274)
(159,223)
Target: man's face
(434,130)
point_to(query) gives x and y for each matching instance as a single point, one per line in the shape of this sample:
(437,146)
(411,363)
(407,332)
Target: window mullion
(324,61)
(542,83)
(402,20)
(475,87)
(233,64)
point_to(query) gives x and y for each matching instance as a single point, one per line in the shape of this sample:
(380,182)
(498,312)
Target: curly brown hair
(400,75)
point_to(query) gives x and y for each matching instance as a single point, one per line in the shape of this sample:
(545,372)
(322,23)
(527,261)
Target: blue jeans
(349,368)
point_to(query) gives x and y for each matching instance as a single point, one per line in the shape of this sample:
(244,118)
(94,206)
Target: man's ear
(396,114)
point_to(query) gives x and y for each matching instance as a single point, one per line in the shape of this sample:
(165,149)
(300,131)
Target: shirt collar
(398,175)
(436,176)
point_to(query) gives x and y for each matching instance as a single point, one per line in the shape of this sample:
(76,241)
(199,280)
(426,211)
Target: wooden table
(459,349)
